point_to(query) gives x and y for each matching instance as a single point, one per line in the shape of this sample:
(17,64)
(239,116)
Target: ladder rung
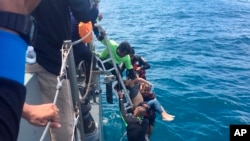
(109,59)
(128,107)
(111,69)
(101,72)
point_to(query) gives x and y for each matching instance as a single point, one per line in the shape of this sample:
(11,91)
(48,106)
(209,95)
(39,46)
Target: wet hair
(142,105)
(124,47)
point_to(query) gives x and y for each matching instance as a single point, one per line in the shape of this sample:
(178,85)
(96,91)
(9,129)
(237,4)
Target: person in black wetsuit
(139,64)
(136,124)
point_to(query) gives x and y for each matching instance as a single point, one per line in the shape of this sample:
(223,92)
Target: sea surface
(199,52)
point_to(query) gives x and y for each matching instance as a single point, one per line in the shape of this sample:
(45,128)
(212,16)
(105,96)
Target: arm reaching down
(121,106)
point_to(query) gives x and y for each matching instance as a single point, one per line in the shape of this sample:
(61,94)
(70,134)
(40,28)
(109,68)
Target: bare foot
(167,117)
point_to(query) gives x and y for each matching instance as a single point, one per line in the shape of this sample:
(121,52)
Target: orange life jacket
(84,29)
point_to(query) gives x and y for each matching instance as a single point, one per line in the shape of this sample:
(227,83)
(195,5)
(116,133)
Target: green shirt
(113,46)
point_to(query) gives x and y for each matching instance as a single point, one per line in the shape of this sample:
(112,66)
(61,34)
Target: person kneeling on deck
(136,124)
(120,55)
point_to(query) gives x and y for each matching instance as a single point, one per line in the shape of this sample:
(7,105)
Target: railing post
(74,88)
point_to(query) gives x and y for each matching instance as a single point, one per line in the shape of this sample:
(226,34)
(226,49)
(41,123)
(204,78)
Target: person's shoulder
(126,58)
(12,85)
(137,56)
(113,42)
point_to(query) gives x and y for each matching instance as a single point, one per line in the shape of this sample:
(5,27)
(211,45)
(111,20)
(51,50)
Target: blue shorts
(12,56)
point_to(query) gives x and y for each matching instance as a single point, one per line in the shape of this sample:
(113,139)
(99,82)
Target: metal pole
(74,89)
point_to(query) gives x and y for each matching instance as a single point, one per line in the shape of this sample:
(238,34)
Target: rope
(75,121)
(90,78)
(80,40)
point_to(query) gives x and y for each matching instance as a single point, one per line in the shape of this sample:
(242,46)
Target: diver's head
(123,49)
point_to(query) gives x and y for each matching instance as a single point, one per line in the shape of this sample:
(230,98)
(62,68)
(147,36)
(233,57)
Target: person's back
(53,27)
(136,129)
(137,126)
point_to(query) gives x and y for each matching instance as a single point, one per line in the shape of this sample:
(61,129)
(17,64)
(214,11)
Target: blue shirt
(12,56)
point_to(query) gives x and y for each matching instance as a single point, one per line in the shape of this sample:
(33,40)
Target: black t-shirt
(12,97)
(54,27)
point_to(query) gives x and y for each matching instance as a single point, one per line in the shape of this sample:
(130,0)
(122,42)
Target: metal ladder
(109,77)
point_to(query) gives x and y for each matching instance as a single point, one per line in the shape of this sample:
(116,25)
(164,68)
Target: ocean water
(199,53)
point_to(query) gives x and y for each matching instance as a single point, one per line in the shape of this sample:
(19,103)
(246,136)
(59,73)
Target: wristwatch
(24,25)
